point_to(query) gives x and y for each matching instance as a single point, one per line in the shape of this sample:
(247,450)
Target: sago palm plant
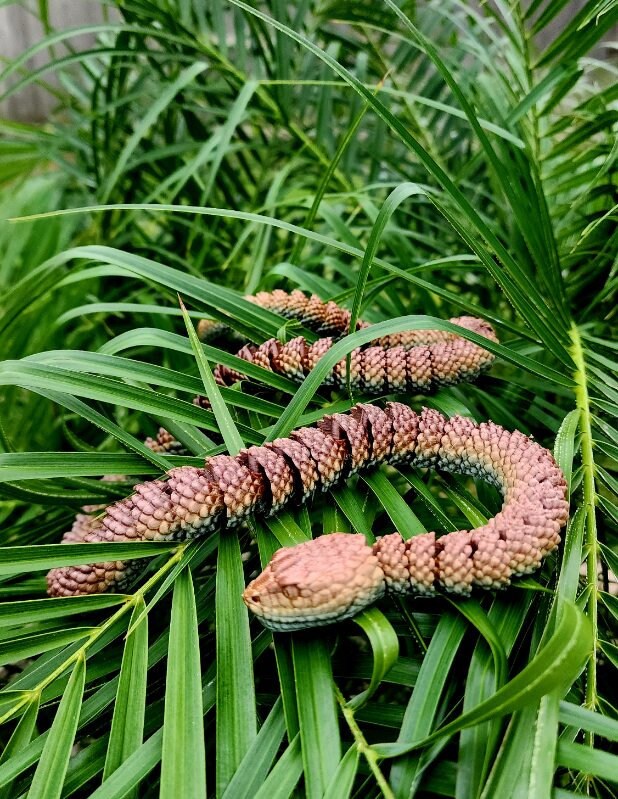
(409,160)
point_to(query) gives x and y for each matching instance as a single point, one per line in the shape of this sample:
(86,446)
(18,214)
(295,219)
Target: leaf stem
(370,755)
(96,633)
(589,496)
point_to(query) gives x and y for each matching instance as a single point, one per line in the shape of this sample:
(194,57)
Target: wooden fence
(21,29)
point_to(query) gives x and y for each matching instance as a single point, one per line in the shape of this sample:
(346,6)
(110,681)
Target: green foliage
(415,161)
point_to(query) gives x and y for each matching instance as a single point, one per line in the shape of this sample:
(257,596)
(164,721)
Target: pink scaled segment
(333,577)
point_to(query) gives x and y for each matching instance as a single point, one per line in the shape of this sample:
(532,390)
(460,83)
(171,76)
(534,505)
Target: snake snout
(316,583)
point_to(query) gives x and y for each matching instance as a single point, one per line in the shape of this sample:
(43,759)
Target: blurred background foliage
(428,158)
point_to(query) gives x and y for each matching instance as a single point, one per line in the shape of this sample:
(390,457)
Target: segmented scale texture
(330,578)
(336,575)
(164,443)
(415,360)
(512,543)
(329,319)
(412,361)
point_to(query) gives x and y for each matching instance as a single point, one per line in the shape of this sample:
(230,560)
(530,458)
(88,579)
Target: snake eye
(290,591)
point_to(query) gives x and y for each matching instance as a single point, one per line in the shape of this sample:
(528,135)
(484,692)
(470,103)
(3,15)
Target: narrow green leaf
(512,279)
(183,759)
(216,298)
(433,503)
(282,780)
(32,610)
(17,560)
(127,731)
(51,770)
(481,746)
(510,770)
(29,645)
(22,734)
(385,649)
(166,96)
(558,662)
(85,765)
(286,530)
(392,202)
(468,505)
(423,708)
(133,770)
(546,246)
(321,190)
(132,308)
(71,32)
(252,772)
(11,699)
(471,610)
(229,431)
(192,555)
(568,582)
(403,517)
(162,339)
(38,377)
(44,465)
(319,729)
(353,507)
(236,718)
(583,719)
(101,421)
(588,760)
(342,783)
(234,117)
(133,371)
(543,765)
(564,446)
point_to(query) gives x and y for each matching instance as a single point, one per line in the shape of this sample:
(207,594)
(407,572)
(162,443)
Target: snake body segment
(415,360)
(333,577)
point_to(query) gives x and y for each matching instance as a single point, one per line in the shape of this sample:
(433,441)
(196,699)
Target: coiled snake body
(336,575)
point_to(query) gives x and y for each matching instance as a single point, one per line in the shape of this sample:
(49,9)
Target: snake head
(316,583)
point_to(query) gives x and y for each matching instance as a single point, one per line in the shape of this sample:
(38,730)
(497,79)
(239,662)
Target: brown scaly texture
(333,577)
(164,443)
(416,360)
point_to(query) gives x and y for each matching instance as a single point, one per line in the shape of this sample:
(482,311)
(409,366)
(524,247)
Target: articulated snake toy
(333,577)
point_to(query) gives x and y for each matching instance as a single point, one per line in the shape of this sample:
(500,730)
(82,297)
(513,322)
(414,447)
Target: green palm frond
(413,161)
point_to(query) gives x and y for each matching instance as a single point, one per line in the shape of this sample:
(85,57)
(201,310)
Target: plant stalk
(95,634)
(590,499)
(363,747)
